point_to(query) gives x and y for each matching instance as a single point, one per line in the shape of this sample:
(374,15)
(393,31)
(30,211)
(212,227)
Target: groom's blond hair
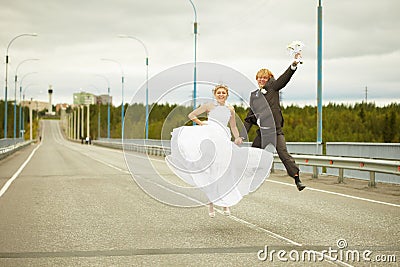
(264,73)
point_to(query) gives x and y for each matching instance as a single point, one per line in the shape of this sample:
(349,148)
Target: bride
(205,157)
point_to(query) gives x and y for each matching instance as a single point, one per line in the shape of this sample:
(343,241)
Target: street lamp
(319,81)
(23,99)
(6,83)
(98,112)
(108,103)
(15,97)
(122,92)
(21,124)
(195,56)
(147,79)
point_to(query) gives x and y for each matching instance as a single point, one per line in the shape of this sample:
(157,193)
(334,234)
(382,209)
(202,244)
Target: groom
(265,112)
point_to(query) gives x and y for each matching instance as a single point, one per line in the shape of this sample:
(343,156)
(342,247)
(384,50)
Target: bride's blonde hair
(221,86)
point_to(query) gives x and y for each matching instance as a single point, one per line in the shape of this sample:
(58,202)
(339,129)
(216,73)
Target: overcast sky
(361,45)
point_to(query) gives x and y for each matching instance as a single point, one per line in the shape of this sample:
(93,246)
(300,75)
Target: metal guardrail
(361,164)
(148,149)
(341,163)
(5,142)
(12,146)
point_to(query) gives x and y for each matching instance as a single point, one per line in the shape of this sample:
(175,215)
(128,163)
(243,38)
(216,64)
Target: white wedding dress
(206,158)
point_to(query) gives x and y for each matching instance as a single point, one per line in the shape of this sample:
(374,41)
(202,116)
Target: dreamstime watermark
(341,253)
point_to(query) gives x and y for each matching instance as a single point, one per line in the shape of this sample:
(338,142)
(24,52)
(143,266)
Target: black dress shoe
(300,186)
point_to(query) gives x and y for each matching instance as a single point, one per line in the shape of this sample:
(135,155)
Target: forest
(360,122)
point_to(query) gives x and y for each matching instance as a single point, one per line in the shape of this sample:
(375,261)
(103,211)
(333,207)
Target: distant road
(77,205)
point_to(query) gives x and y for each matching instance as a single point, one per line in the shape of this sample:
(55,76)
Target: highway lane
(77,205)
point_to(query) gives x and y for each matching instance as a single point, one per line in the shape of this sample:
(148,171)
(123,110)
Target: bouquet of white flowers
(295,48)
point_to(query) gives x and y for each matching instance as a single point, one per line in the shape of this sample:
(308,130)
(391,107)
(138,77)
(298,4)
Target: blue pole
(15,107)
(20,113)
(195,72)
(5,100)
(319,83)
(195,57)
(147,82)
(147,97)
(122,110)
(98,121)
(6,80)
(23,118)
(108,118)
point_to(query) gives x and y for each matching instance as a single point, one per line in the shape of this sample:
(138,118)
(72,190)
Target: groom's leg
(257,140)
(286,158)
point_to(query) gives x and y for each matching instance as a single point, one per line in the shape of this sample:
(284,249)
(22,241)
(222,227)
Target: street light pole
(20,105)
(195,57)
(147,80)
(108,104)
(319,82)
(122,93)
(15,98)
(23,97)
(6,80)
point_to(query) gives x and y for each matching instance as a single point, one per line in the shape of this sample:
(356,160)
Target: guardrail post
(341,176)
(315,172)
(372,179)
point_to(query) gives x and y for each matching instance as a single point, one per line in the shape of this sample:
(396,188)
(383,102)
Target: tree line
(360,122)
(24,117)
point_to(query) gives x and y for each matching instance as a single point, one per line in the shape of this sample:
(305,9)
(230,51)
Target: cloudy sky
(361,45)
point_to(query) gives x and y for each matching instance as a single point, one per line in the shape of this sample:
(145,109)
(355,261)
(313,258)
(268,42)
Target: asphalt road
(67,204)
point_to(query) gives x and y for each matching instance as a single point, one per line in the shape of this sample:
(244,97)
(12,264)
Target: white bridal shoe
(211,211)
(227,211)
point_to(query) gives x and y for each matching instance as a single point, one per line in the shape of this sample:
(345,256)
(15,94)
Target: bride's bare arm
(193,115)
(234,129)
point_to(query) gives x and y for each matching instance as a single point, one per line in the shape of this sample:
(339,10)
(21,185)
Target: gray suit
(265,112)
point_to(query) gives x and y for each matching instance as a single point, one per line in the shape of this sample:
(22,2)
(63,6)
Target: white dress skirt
(206,158)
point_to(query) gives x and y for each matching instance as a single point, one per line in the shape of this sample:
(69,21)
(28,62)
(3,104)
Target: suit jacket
(265,108)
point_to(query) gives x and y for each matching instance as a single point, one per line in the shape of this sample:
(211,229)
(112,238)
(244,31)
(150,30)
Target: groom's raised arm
(284,78)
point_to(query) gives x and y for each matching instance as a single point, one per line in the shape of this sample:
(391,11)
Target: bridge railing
(9,146)
(315,162)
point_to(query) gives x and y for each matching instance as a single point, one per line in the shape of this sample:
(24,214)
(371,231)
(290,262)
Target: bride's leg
(227,211)
(211,211)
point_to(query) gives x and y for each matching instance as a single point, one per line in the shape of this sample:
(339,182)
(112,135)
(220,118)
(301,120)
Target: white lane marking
(107,164)
(256,227)
(241,221)
(307,188)
(9,182)
(232,217)
(248,224)
(340,194)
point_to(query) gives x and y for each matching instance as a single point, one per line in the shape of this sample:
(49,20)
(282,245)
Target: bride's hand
(238,141)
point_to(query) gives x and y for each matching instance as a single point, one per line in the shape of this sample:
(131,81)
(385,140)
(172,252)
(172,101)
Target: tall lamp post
(15,98)
(195,57)
(6,79)
(319,82)
(23,99)
(21,118)
(108,104)
(122,93)
(98,102)
(147,80)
